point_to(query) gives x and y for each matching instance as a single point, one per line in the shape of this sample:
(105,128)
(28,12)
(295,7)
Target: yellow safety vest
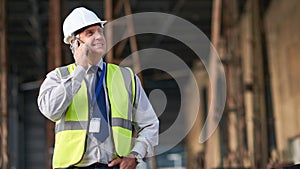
(71,130)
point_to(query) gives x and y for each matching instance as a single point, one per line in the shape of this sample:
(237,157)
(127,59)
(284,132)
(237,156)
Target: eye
(89,33)
(100,31)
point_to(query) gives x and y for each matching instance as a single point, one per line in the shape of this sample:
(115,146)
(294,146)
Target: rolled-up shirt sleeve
(56,93)
(146,124)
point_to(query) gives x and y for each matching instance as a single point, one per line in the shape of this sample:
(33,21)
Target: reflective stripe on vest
(71,130)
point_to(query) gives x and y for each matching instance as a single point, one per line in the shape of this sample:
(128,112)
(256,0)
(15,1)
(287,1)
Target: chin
(98,52)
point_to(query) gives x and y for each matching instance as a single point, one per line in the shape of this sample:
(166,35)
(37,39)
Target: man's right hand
(81,54)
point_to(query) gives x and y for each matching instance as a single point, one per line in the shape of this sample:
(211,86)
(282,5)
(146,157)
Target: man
(96,105)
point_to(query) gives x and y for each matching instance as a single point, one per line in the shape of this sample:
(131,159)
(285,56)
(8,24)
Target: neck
(94,60)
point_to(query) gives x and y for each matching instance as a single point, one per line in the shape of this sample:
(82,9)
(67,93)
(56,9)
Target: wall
(283,43)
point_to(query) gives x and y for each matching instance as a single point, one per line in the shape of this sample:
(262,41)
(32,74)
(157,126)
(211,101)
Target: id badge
(95,125)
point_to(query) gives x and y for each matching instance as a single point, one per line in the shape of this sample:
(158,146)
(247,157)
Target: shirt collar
(92,67)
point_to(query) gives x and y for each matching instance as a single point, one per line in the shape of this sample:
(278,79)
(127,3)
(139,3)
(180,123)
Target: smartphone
(75,42)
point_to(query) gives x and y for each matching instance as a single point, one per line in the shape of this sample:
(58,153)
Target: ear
(72,40)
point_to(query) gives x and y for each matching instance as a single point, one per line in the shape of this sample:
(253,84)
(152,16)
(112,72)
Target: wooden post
(236,155)
(54,60)
(132,40)
(55,39)
(247,64)
(3,75)
(109,31)
(212,157)
(260,126)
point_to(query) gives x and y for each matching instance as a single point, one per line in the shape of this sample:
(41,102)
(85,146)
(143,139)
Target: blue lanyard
(99,84)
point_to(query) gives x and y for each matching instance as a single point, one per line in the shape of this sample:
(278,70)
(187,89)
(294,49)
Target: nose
(98,35)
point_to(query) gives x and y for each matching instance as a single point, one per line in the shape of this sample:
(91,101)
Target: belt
(96,166)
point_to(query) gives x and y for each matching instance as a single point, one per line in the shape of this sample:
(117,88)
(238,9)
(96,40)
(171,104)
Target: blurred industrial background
(258,42)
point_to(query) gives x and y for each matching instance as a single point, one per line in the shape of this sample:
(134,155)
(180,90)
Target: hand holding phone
(80,53)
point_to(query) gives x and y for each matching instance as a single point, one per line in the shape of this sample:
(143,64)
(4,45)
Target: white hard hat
(77,19)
